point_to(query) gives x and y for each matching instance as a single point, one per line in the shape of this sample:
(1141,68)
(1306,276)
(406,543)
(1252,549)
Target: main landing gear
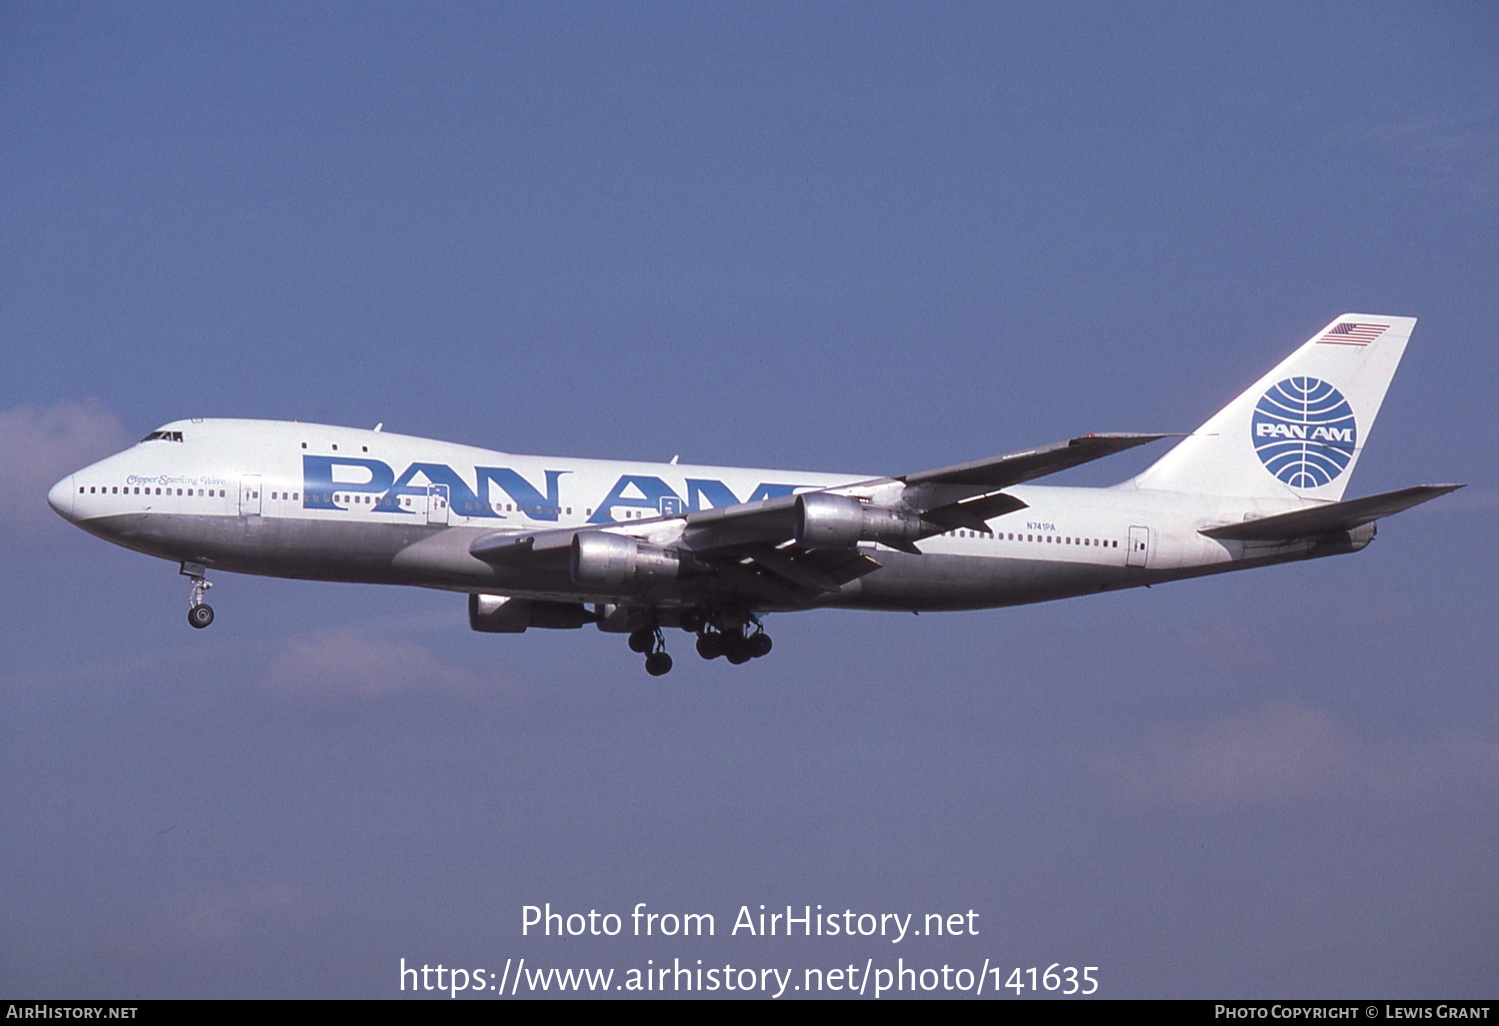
(737,636)
(738,647)
(199,613)
(650,641)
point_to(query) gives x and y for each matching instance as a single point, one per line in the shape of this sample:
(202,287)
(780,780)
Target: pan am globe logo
(1304,432)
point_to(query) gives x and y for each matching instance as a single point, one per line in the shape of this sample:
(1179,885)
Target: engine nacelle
(603,560)
(826,521)
(498,614)
(501,614)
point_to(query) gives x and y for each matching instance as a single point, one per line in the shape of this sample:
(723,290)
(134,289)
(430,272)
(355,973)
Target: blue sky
(866,238)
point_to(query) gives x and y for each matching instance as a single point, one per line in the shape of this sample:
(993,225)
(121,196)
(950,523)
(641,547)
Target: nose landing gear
(199,613)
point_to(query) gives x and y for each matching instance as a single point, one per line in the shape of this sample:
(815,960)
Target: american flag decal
(1347,333)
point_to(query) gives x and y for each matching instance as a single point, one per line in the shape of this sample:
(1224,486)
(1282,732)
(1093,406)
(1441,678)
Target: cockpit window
(163,436)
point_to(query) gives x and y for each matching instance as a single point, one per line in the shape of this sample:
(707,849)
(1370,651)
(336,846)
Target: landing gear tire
(693,621)
(758,645)
(642,640)
(738,653)
(657,664)
(199,613)
(710,646)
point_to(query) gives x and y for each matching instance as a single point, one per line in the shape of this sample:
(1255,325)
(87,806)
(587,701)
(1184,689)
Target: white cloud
(350,665)
(197,922)
(40,446)
(1286,751)
(217,917)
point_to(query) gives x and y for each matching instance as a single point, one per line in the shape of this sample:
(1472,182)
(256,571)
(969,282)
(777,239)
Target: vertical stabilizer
(1298,431)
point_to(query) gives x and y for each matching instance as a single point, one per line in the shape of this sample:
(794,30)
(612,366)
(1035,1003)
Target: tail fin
(1298,431)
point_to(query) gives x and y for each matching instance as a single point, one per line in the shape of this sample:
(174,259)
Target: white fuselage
(311,501)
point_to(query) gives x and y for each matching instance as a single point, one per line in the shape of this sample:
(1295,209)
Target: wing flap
(798,573)
(973,514)
(1329,518)
(804,572)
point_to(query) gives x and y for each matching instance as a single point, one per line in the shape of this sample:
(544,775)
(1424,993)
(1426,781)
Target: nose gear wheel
(199,613)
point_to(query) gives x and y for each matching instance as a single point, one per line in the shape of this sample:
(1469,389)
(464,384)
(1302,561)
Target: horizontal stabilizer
(1329,518)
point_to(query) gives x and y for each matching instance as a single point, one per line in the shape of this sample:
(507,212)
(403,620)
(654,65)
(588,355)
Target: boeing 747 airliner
(638,547)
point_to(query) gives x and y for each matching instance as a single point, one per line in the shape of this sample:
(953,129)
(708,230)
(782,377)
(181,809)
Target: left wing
(1016,467)
(955,496)
(793,549)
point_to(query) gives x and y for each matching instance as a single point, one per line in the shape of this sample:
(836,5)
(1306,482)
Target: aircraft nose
(60,497)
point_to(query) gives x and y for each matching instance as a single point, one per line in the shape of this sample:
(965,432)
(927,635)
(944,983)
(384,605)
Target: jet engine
(501,614)
(603,560)
(825,521)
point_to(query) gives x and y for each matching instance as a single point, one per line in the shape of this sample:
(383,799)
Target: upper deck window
(163,436)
